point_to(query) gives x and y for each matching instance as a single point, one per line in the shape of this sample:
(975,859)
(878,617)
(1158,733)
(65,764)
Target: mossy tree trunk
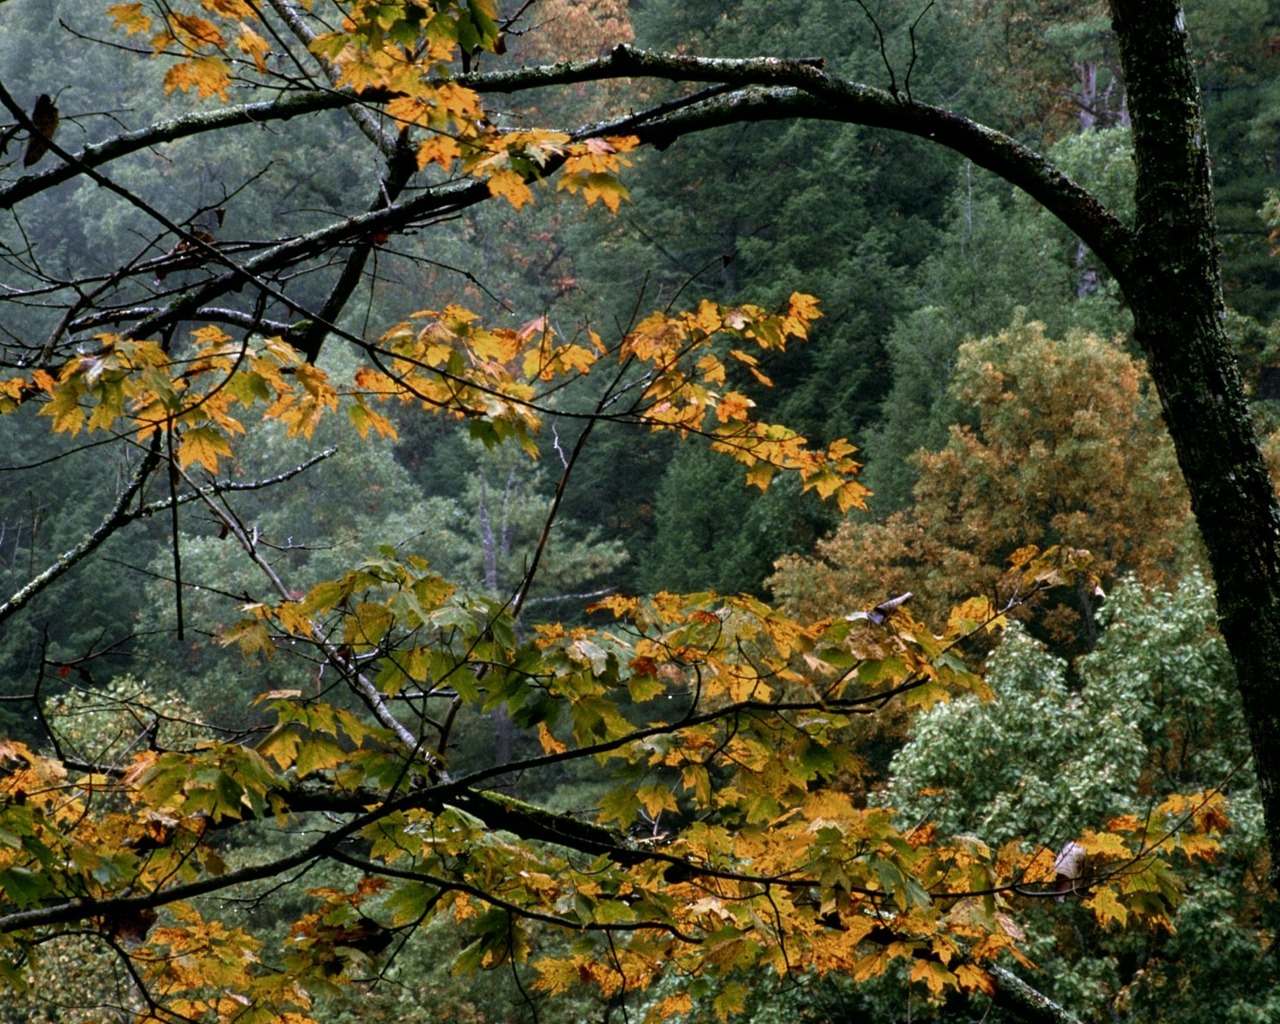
(1171,279)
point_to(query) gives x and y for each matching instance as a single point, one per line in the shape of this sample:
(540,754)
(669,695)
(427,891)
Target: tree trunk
(1172,283)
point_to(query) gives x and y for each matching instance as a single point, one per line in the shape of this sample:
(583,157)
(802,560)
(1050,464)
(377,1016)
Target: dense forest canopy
(692,510)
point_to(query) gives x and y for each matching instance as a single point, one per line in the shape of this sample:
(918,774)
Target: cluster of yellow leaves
(138,387)
(123,837)
(449,361)
(834,887)
(695,399)
(590,168)
(400,52)
(197,38)
(1131,861)
(509,161)
(210,971)
(451,364)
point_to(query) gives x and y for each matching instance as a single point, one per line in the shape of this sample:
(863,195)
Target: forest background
(969,346)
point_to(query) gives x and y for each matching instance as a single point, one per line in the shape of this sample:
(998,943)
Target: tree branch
(799,89)
(69,559)
(1026,1003)
(121,515)
(98,153)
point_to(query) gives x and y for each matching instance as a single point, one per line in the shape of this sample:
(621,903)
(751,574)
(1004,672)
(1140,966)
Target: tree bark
(1026,1003)
(1173,287)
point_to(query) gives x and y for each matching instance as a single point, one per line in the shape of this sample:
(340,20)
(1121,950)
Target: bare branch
(114,520)
(197,123)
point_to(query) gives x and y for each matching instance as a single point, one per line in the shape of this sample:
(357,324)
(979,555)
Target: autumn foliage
(719,715)
(1066,447)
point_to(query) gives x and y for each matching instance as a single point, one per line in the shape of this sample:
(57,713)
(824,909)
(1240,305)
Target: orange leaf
(511,186)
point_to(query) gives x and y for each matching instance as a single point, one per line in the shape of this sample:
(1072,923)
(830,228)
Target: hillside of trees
(530,512)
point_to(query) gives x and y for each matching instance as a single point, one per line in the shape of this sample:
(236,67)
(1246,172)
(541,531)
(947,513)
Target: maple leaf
(251,43)
(1106,907)
(230,8)
(511,186)
(439,149)
(934,975)
(974,979)
(670,1006)
(64,408)
(130,18)
(208,76)
(196,31)
(550,745)
(205,445)
(595,186)
(366,419)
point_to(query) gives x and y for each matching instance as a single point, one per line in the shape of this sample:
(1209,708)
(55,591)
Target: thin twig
(884,56)
(911,33)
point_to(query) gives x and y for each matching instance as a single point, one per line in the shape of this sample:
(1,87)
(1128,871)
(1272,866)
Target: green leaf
(24,887)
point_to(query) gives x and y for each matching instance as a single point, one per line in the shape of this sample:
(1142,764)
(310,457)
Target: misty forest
(623,511)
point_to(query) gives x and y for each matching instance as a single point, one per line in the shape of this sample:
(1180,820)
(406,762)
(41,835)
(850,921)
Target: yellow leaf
(281,745)
(734,406)
(197,31)
(731,999)
(293,618)
(657,799)
(365,419)
(64,408)
(1205,847)
(974,613)
(204,445)
(318,753)
(933,974)
(252,636)
(12,393)
(852,495)
(760,475)
(211,335)
(511,186)
(974,979)
(255,46)
(599,155)
(670,1006)
(607,189)
(229,8)
(130,18)
(1107,907)
(438,149)
(1104,843)
(550,745)
(209,76)
(871,966)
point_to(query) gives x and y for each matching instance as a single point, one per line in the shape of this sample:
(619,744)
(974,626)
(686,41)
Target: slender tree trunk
(1088,73)
(1173,287)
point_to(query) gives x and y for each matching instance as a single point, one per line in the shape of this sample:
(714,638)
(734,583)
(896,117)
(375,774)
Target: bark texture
(1171,280)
